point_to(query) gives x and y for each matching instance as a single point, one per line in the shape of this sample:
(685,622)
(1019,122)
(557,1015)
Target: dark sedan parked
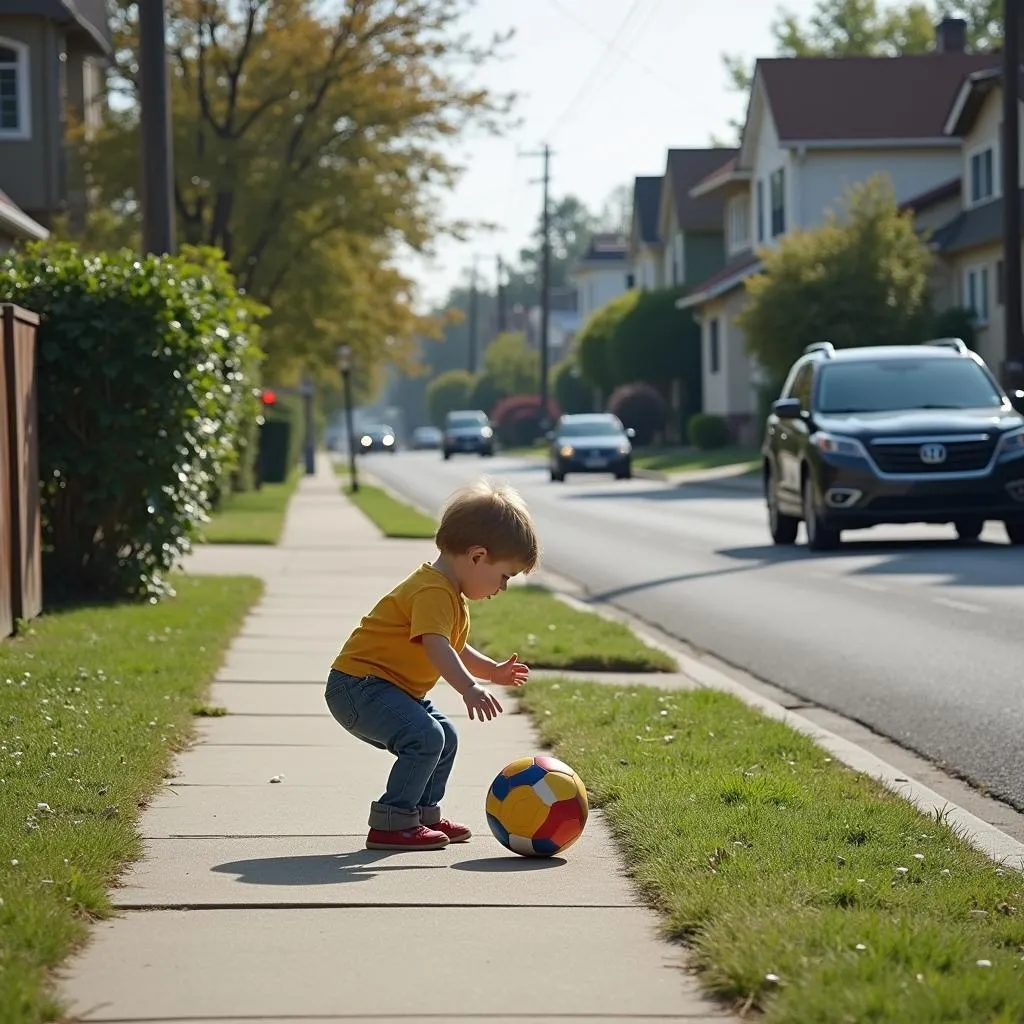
(590,443)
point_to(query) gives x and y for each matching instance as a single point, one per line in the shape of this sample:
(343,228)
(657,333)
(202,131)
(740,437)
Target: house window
(777,184)
(13,90)
(739,223)
(982,174)
(714,350)
(759,212)
(976,293)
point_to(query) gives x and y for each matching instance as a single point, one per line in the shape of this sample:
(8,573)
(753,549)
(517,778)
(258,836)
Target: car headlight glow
(835,444)
(366,440)
(487,432)
(566,451)
(1011,446)
(388,439)
(625,448)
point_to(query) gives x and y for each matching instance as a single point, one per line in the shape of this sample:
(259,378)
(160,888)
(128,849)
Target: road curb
(1000,847)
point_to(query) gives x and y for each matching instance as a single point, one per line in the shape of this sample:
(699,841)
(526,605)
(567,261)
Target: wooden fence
(21,582)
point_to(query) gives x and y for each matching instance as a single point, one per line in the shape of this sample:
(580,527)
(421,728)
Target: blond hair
(493,516)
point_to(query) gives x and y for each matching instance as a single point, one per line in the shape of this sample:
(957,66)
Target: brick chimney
(951,36)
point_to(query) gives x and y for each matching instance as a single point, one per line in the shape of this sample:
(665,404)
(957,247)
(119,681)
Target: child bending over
(378,685)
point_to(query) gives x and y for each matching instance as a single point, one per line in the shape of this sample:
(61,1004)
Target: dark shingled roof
(864,98)
(685,168)
(981,225)
(605,247)
(747,260)
(646,196)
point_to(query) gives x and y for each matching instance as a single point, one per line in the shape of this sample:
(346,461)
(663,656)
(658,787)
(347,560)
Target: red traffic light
(269,397)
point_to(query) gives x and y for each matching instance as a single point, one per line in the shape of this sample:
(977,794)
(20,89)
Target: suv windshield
(467,419)
(590,428)
(889,385)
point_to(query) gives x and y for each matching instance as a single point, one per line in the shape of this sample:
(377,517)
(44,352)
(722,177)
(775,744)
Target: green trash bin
(275,447)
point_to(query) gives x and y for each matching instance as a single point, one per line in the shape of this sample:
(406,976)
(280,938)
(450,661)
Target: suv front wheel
(783,528)
(820,537)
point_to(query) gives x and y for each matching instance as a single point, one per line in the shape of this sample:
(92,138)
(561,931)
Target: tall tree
(851,28)
(308,147)
(860,279)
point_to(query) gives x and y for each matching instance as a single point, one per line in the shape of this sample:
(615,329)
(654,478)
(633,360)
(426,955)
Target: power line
(612,46)
(598,67)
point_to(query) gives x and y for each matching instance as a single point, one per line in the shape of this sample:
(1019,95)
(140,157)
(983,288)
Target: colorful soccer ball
(537,807)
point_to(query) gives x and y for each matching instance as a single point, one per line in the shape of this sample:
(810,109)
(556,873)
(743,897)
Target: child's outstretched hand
(510,673)
(481,705)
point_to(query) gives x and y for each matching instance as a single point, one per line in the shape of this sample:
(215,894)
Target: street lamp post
(345,367)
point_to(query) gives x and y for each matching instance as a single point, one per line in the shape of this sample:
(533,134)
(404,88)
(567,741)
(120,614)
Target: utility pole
(472,319)
(1013,367)
(502,320)
(545,282)
(155,125)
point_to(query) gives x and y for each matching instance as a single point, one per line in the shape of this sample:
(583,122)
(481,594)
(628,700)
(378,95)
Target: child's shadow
(360,866)
(315,869)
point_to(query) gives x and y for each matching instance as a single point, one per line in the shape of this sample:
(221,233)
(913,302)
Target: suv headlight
(836,444)
(486,432)
(1011,445)
(566,451)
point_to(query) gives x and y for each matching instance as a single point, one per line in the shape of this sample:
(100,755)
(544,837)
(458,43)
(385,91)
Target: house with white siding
(814,127)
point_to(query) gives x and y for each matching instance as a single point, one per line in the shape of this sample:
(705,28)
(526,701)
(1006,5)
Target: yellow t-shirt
(386,643)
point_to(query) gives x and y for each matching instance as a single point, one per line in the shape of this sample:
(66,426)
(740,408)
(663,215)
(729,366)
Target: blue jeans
(421,738)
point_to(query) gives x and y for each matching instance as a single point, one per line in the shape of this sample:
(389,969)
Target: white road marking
(878,588)
(960,606)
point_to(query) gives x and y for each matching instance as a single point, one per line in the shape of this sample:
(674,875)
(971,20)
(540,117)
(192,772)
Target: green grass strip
(92,704)
(805,889)
(393,517)
(252,517)
(548,633)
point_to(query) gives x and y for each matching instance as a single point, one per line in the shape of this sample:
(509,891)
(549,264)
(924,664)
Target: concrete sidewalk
(256,901)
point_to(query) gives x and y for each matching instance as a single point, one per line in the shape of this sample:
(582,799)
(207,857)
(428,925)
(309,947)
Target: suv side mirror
(630,433)
(787,408)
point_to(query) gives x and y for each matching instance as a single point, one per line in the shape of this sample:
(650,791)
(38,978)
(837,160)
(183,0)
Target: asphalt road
(901,629)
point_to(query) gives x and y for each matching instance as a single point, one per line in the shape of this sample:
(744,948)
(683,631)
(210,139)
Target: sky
(611,85)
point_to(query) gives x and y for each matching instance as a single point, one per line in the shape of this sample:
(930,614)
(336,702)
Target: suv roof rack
(956,344)
(821,346)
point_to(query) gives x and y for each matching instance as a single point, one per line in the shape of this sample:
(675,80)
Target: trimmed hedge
(707,431)
(641,406)
(147,370)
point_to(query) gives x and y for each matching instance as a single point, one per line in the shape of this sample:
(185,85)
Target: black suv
(892,434)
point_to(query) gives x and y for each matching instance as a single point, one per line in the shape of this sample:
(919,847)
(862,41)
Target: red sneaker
(418,838)
(455,833)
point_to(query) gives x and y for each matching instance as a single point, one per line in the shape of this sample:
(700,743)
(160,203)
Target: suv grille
(961,456)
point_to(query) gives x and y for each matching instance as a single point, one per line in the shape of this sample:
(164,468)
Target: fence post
(19,357)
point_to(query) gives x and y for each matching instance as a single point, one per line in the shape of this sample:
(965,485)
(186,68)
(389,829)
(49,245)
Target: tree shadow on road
(694,491)
(984,563)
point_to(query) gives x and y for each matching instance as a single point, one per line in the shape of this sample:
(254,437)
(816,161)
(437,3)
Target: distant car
(892,434)
(590,443)
(426,437)
(378,438)
(467,431)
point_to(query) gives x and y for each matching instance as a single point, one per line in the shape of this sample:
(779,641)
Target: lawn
(92,702)
(393,517)
(680,460)
(806,890)
(252,517)
(548,633)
